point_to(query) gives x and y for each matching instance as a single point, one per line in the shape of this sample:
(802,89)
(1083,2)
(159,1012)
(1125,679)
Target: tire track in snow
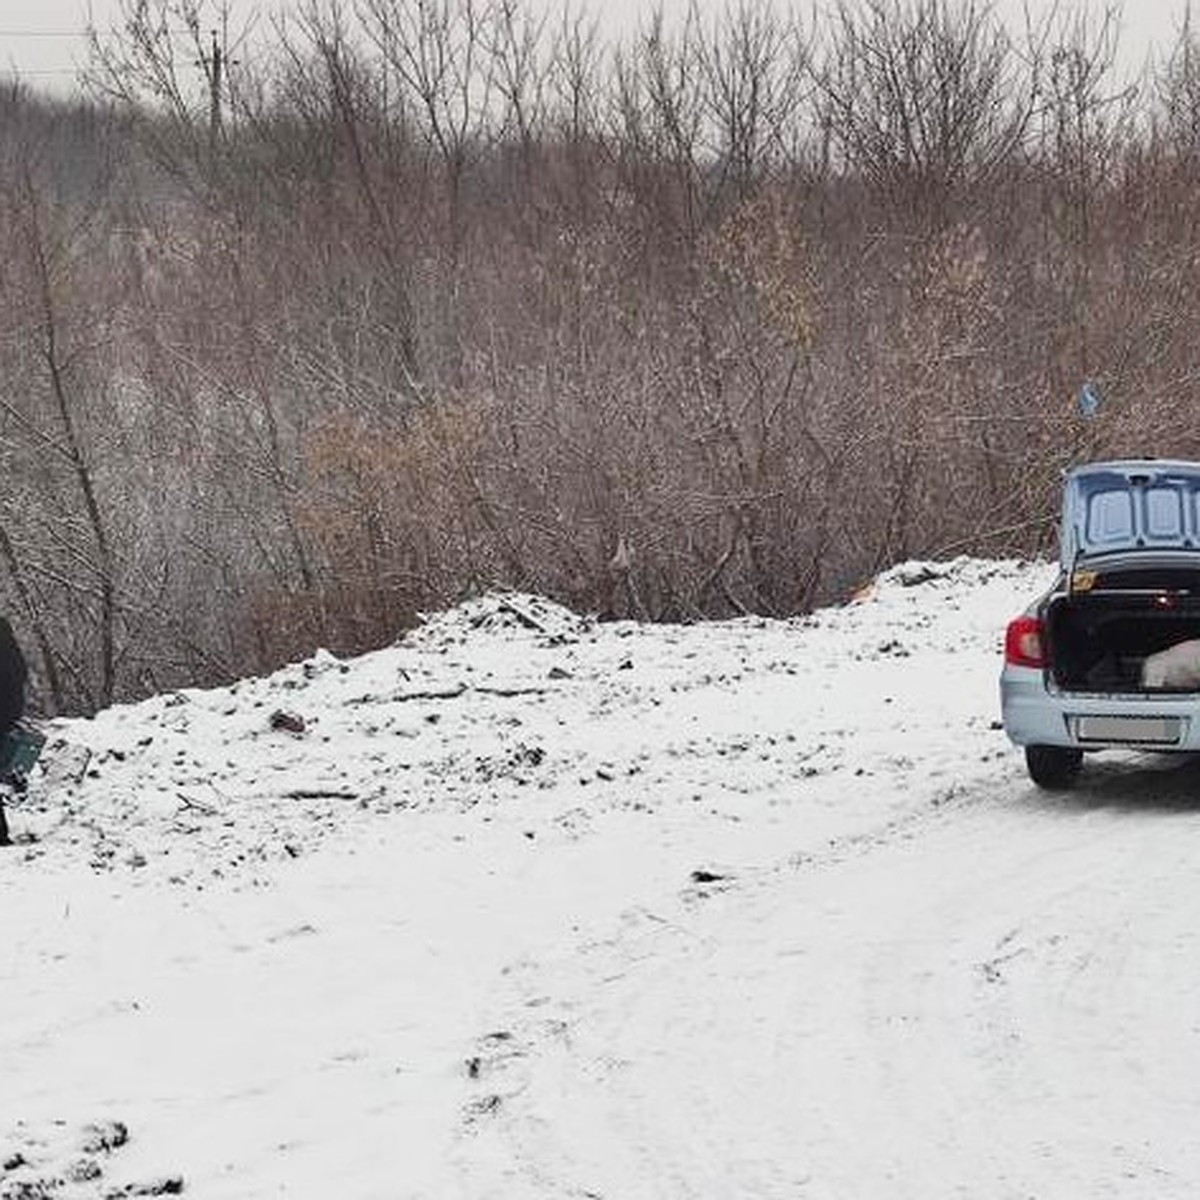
(989,998)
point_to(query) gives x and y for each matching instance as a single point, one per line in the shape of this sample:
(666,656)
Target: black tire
(1053,767)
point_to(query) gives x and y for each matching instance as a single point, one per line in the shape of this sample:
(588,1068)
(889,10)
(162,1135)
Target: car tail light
(1023,643)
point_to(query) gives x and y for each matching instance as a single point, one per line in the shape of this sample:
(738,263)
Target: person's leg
(6,760)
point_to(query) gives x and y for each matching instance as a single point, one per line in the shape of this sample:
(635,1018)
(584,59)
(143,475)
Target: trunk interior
(1099,639)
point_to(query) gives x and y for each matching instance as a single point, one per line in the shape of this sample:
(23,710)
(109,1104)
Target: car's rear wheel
(1053,767)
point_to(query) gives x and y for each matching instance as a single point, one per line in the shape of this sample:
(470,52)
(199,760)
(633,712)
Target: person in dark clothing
(13,673)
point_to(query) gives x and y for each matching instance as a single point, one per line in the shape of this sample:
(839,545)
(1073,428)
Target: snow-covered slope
(530,906)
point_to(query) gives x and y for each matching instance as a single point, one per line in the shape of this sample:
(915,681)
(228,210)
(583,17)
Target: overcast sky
(41,39)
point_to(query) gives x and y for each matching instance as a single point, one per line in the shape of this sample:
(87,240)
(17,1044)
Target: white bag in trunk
(1177,666)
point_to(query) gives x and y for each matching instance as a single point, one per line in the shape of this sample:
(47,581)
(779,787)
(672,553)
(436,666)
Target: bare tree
(1086,124)
(521,70)
(439,51)
(574,86)
(1178,94)
(60,541)
(658,118)
(755,69)
(924,97)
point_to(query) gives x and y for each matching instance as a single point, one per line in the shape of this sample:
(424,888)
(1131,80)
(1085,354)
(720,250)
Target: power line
(178,30)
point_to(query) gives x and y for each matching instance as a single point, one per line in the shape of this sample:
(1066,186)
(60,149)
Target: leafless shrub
(447,296)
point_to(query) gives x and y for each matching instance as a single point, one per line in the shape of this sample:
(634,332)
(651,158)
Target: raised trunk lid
(1118,507)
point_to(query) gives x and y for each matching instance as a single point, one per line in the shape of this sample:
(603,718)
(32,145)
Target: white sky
(41,39)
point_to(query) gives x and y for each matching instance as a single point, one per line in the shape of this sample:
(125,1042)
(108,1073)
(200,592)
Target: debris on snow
(105,1136)
(288,721)
(53,1164)
(499,613)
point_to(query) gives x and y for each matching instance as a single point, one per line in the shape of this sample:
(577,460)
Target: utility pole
(214,66)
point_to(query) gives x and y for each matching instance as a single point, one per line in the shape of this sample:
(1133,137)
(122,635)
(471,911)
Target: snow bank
(345,929)
(502,691)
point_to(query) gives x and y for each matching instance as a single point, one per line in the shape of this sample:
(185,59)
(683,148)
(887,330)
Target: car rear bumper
(1036,715)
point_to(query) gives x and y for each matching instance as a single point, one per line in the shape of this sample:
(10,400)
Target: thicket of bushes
(412,299)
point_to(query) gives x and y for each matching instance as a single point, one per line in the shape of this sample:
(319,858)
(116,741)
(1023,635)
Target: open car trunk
(1099,639)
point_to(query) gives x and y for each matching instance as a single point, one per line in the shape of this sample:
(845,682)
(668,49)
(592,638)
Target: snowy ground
(531,907)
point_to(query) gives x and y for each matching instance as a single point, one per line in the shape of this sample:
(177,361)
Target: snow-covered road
(997,998)
(529,907)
